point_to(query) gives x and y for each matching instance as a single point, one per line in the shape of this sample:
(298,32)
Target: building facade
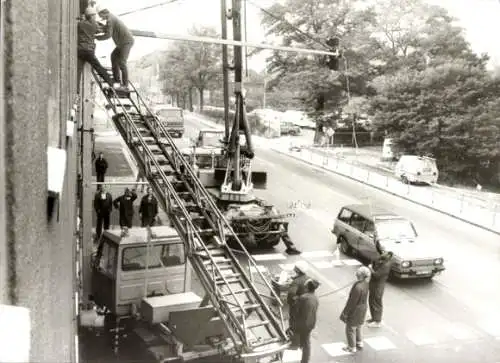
(38,177)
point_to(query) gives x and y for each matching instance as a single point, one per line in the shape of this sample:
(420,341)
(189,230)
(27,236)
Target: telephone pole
(225,69)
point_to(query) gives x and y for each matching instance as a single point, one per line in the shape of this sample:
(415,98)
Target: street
(450,319)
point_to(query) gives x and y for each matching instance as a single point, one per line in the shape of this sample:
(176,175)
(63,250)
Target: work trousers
(305,345)
(100,177)
(147,221)
(354,335)
(102,219)
(119,57)
(89,57)
(375,301)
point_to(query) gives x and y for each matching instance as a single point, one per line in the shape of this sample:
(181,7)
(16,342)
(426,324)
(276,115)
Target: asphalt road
(451,319)
(454,318)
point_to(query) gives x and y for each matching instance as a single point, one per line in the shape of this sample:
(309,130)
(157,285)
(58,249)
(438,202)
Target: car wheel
(404,179)
(344,246)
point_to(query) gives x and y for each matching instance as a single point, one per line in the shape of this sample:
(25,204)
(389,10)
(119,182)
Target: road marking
(335,349)
(323,264)
(380,343)
(420,337)
(292,356)
(351,262)
(317,254)
(269,257)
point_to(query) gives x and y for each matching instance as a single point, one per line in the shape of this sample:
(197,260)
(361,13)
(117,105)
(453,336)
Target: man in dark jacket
(297,288)
(125,204)
(307,311)
(123,39)
(103,205)
(380,270)
(355,309)
(87,29)
(148,209)
(101,166)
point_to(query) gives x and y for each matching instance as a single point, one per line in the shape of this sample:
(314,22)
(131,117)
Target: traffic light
(333,61)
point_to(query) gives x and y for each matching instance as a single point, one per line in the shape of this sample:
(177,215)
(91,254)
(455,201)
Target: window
(345,215)
(107,263)
(358,222)
(160,256)
(369,228)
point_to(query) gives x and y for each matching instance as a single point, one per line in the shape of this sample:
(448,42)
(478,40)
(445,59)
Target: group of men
(104,203)
(89,29)
(366,292)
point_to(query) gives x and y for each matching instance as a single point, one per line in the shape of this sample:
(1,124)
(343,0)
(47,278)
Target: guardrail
(480,212)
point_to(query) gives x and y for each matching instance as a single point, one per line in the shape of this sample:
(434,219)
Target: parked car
(416,169)
(362,230)
(172,118)
(288,128)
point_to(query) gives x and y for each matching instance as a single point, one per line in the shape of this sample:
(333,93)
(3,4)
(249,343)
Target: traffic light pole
(225,70)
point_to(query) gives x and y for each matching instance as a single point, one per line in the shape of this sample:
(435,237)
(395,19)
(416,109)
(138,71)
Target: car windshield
(395,228)
(212,139)
(170,114)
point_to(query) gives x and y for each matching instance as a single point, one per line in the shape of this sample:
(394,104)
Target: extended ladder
(255,330)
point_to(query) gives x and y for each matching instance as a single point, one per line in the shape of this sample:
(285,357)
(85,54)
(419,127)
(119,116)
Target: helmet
(90,11)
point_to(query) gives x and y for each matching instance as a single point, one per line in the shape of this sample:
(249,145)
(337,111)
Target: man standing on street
(148,209)
(101,166)
(307,311)
(380,273)
(87,29)
(125,204)
(355,309)
(123,39)
(103,205)
(297,288)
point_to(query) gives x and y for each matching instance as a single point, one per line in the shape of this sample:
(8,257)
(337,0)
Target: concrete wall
(39,90)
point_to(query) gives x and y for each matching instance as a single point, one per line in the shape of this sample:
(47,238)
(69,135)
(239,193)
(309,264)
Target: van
(416,169)
(172,119)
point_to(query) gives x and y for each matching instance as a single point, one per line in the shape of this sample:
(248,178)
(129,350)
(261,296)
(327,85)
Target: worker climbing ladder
(255,330)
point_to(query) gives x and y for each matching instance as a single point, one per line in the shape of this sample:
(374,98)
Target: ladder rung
(242,291)
(218,259)
(231,280)
(259,324)
(266,342)
(230,276)
(246,307)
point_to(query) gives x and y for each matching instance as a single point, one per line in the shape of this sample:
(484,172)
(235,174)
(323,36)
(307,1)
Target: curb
(389,192)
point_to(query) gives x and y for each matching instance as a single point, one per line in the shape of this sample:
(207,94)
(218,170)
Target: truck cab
(172,118)
(207,149)
(121,272)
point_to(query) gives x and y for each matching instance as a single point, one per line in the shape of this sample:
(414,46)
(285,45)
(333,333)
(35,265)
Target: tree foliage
(190,65)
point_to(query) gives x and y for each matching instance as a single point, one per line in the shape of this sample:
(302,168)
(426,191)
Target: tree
(318,87)
(190,65)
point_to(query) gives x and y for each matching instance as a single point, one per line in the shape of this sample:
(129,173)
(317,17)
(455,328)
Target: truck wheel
(344,246)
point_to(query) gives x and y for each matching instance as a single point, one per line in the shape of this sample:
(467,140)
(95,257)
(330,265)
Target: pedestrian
(125,204)
(296,288)
(355,309)
(101,167)
(380,271)
(87,29)
(148,209)
(103,205)
(307,311)
(123,39)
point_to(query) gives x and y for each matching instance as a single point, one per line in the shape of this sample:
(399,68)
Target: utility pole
(225,69)
(86,195)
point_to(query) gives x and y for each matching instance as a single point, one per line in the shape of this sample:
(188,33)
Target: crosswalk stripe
(317,254)
(335,349)
(421,337)
(269,257)
(380,343)
(461,331)
(292,356)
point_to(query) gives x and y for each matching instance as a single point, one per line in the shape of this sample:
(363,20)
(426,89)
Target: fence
(481,212)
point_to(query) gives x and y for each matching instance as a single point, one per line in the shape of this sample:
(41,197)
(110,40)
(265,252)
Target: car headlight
(405,264)
(438,261)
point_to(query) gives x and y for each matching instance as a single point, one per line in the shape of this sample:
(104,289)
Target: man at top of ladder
(123,39)
(87,30)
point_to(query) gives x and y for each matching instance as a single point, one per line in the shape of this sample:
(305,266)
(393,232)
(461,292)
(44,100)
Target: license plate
(423,272)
